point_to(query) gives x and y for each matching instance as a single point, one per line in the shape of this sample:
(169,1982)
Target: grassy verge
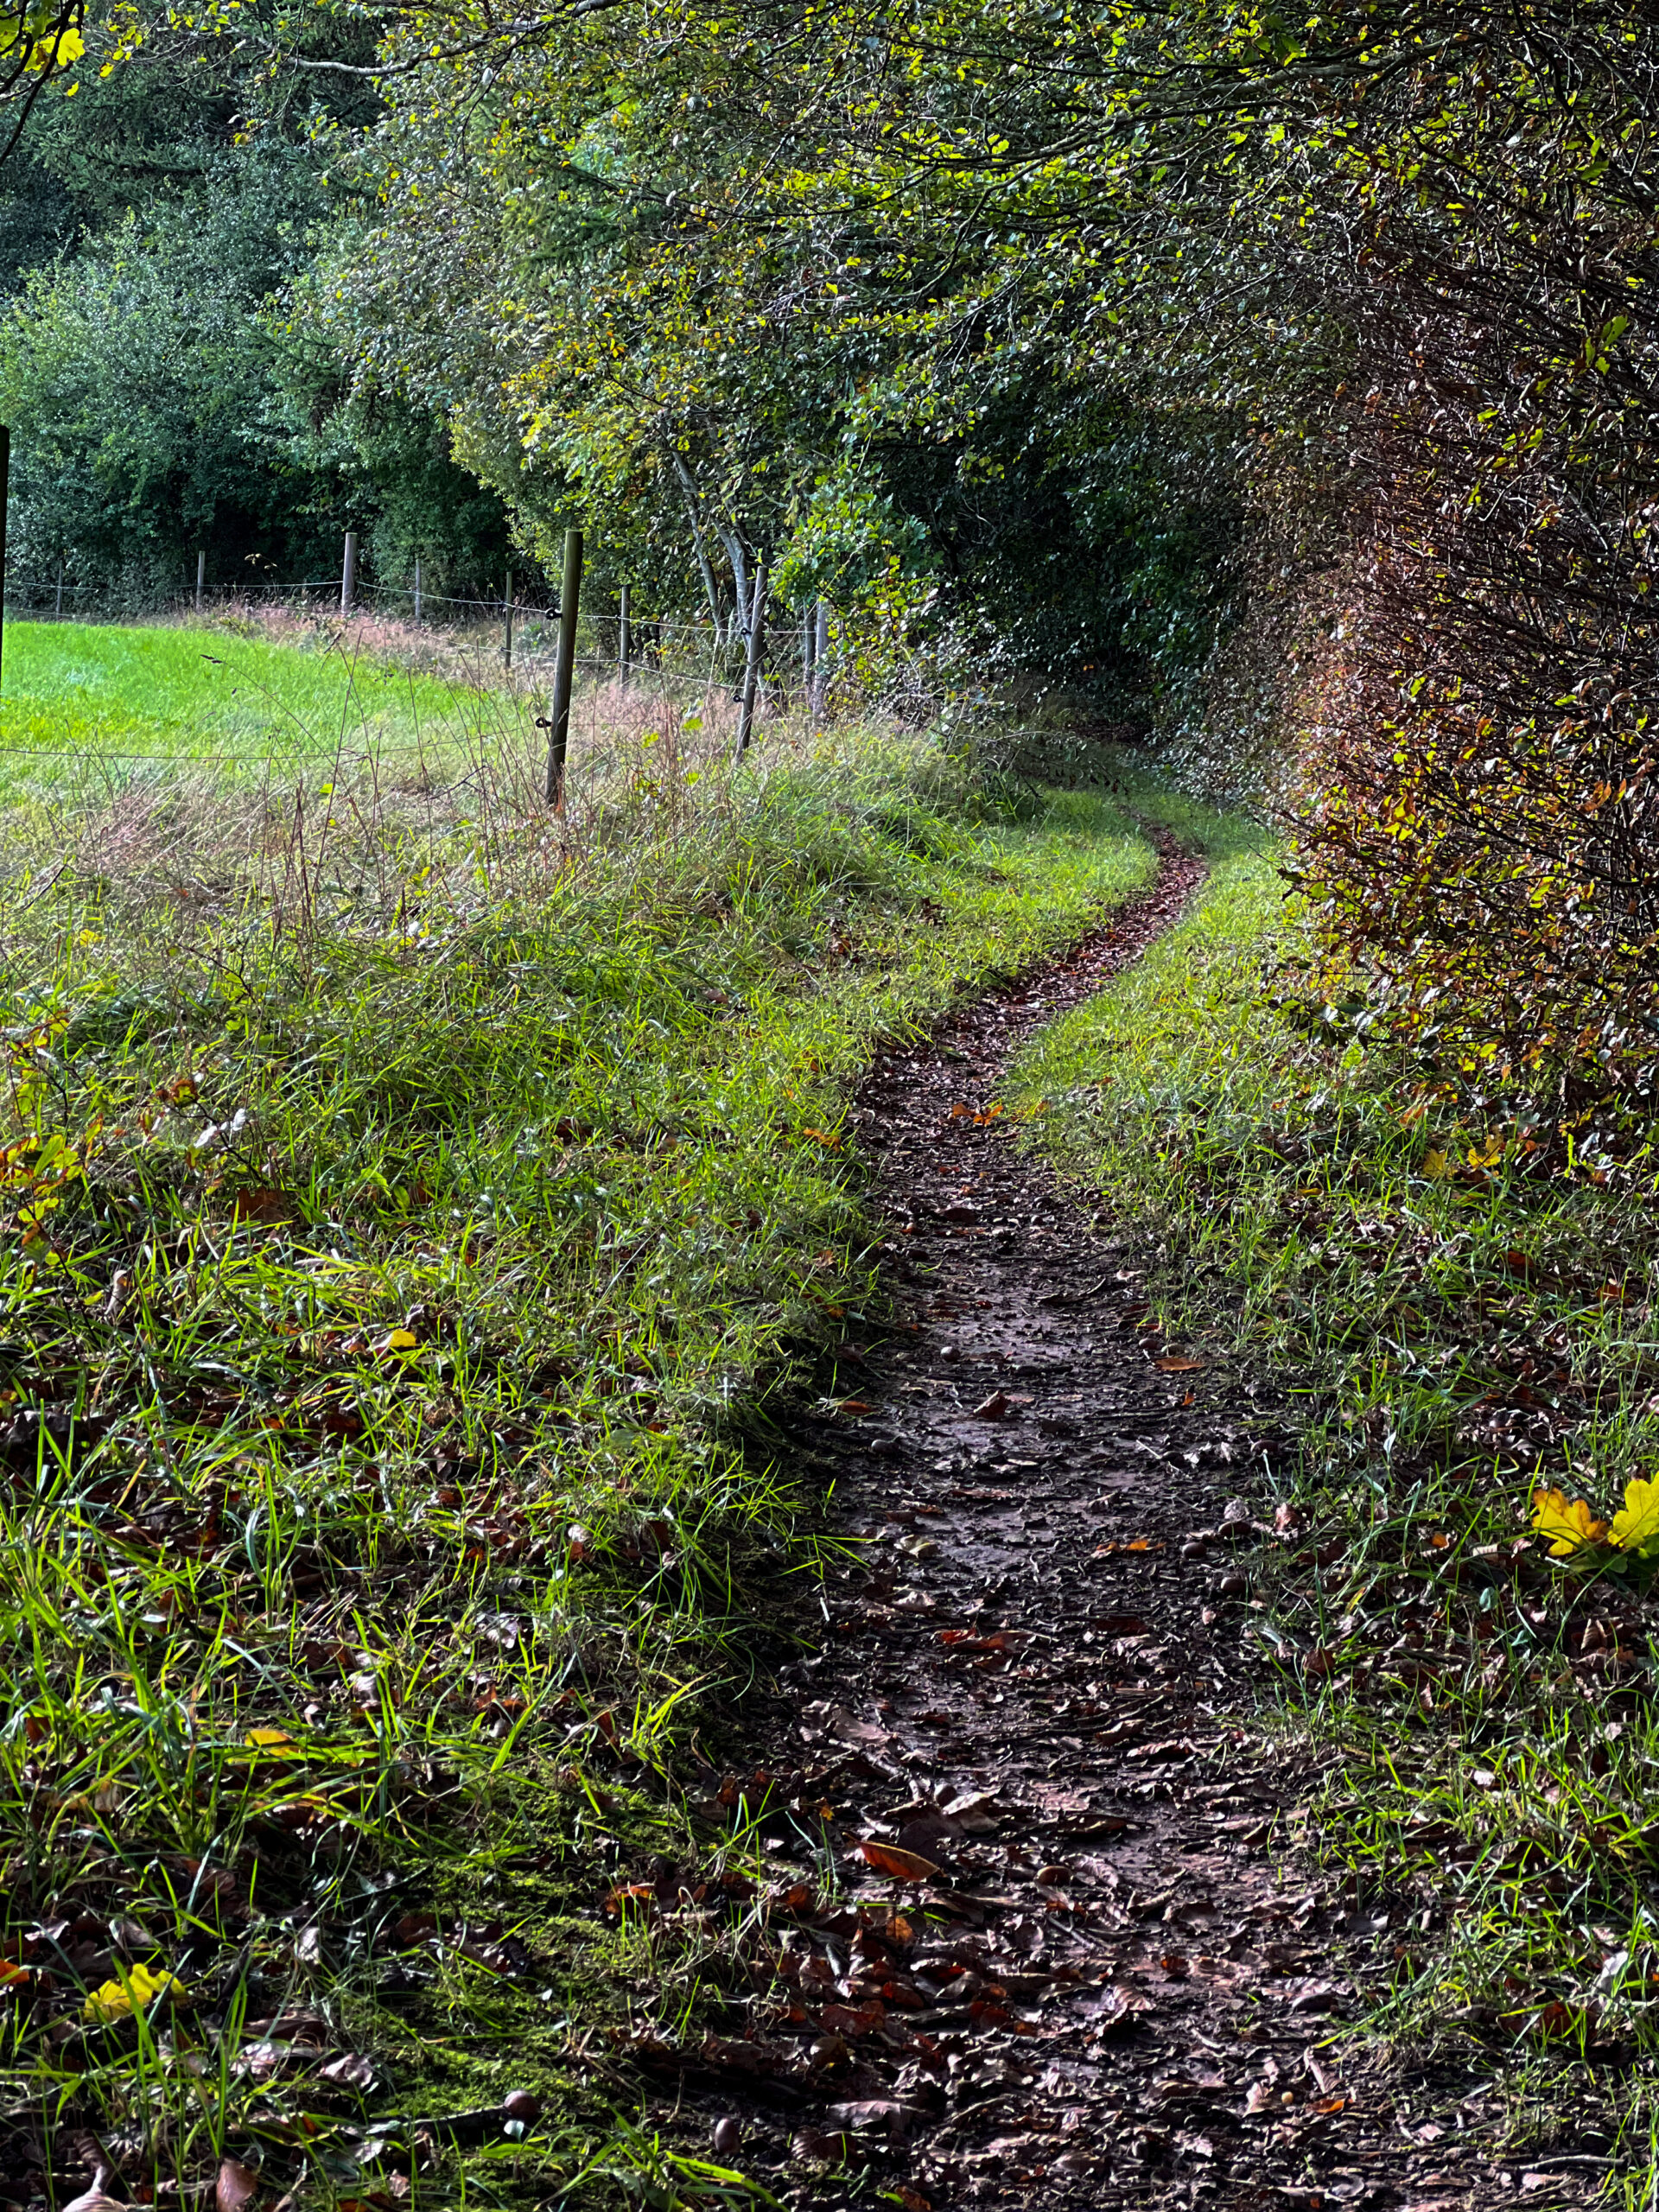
(395,1245)
(1459,1323)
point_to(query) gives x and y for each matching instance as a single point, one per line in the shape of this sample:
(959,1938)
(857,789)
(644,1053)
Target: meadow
(109,703)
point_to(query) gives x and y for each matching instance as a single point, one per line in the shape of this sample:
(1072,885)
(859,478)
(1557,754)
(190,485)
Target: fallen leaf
(994,1407)
(1635,1525)
(1567,1526)
(816,2143)
(113,2000)
(846,1728)
(1178,1366)
(883,2112)
(351,2071)
(237,2186)
(271,1743)
(260,1202)
(903,1865)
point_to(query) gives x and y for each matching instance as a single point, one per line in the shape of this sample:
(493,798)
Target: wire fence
(517,636)
(37,599)
(650,677)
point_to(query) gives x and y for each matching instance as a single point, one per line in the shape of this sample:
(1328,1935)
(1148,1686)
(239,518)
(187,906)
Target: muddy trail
(1039,1931)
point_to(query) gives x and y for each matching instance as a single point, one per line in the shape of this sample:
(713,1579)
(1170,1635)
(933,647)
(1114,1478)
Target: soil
(1037,1927)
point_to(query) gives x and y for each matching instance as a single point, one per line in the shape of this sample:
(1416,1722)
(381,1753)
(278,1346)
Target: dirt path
(1097,1978)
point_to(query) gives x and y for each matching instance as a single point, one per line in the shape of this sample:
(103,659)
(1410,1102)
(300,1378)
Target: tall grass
(409,1200)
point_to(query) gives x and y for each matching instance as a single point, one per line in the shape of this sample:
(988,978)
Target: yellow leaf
(1636,1526)
(1568,1526)
(398,1340)
(274,1743)
(1434,1166)
(113,2000)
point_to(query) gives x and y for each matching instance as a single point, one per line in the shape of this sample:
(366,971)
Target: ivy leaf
(1636,1526)
(1567,1526)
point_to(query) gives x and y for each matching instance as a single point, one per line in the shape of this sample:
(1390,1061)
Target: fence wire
(674,662)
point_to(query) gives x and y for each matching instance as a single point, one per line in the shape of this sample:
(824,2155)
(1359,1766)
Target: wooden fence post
(564,669)
(809,640)
(820,655)
(752,664)
(348,574)
(57,604)
(623,640)
(201,575)
(417,592)
(6,486)
(507,610)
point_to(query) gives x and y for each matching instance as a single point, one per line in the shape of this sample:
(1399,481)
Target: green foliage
(161,399)
(680,288)
(137,381)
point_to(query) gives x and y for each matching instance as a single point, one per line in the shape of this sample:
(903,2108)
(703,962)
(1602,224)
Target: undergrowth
(1458,1319)
(403,1235)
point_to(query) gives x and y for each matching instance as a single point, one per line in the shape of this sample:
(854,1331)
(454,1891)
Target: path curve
(1093,1976)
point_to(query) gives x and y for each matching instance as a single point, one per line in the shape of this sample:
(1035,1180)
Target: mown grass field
(83,703)
(1457,1318)
(401,1234)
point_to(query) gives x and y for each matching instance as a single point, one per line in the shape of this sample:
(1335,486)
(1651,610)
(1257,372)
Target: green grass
(1452,1318)
(83,698)
(400,1243)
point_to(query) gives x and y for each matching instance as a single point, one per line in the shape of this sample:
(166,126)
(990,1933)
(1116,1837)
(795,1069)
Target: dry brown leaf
(883,2112)
(351,2071)
(261,1202)
(236,2188)
(903,1865)
(1178,1366)
(817,2143)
